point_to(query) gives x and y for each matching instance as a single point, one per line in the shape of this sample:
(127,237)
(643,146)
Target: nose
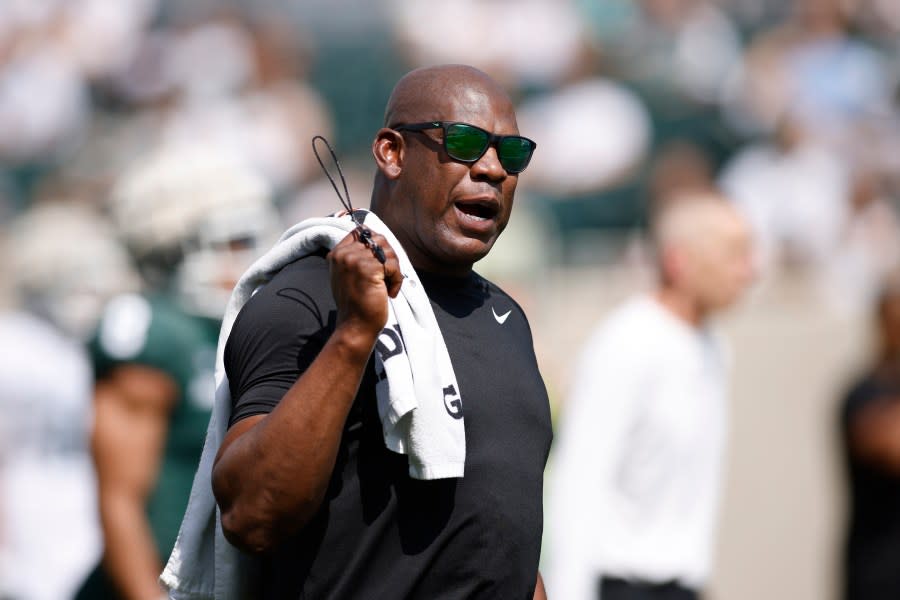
(488,167)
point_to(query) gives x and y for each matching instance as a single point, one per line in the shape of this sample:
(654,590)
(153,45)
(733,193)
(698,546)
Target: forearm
(539,592)
(131,412)
(130,556)
(271,478)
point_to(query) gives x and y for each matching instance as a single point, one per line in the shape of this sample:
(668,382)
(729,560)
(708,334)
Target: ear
(388,149)
(671,263)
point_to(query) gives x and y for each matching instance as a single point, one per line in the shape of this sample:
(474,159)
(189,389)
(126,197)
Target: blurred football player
(62,261)
(194,222)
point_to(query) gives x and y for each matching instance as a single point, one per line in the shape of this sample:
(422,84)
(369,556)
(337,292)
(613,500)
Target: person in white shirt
(636,477)
(60,262)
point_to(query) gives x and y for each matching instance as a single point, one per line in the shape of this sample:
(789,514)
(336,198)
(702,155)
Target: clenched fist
(361,285)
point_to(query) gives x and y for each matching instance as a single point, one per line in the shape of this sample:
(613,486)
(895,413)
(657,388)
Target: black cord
(365,234)
(345,199)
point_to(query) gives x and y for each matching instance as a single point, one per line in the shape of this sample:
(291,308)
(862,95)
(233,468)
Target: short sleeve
(862,394)
(136,330)
(277,335)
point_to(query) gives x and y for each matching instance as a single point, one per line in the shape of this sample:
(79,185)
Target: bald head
(446,212)
(703,249)
(690,219)
(425,94)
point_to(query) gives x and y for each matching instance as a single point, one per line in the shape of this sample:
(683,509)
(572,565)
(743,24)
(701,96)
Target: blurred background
(790,108)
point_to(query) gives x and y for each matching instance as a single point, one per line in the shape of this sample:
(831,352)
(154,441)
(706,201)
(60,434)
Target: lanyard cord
(365,234)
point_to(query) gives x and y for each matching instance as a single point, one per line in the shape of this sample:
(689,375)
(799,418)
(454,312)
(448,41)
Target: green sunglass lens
(464,142)
(514,153)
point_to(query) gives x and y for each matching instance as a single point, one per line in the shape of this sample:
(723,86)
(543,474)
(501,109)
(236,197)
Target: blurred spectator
(52,51)
(62,261)
(194,220)
(251,105)
(685,47)
(870,425)
(595,138)
(523,43)
(636,472)
(43,102)
(868,248)
(677,56)
(813,211)
(795,193)
(813,71)
(593,135)
(102,36)
(628,100)
(679,167)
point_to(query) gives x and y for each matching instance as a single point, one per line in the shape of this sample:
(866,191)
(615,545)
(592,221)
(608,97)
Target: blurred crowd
(791,109)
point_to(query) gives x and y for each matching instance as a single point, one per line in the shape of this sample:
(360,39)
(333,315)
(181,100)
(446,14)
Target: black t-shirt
(379,533)
(872,556)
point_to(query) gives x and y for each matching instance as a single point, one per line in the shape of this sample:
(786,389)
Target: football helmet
(194,219)
(65,262)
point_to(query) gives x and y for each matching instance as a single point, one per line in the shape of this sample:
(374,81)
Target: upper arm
(539,592)
(275,338)
(132,407)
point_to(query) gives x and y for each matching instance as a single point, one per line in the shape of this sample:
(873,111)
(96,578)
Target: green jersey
(155,332)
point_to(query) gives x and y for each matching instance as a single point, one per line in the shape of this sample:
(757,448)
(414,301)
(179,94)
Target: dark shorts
(98,586)
(612,588)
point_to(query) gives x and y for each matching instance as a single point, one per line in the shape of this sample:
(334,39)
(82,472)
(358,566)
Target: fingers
(393,278)
(360,283)
(368,258)
(381,249)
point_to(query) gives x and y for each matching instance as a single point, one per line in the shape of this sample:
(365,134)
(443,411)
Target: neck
(428,266)
(417,252)
(681,305)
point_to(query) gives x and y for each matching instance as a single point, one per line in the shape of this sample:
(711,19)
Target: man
(61,262)
(637,472)
(303,476)
(194,220)
(870,423)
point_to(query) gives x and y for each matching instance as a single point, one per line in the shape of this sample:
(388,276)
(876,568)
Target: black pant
(612,588)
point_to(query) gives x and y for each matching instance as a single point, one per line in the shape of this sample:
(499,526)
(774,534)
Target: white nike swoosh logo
(500,318)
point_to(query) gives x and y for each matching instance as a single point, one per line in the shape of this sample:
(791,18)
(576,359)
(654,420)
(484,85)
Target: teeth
(472,215)
(475,212)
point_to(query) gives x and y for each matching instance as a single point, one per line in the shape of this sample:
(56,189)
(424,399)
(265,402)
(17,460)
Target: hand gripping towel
(415,388)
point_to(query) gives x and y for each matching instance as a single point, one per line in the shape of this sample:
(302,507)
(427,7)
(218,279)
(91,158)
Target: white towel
(416,391)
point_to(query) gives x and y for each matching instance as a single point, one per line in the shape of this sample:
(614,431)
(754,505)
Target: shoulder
(624,336)
(17,328)
(628,322)
(860,394)
(495,291)
(150,330)
(127,323)
(497,307)
(36,352)
(298,296)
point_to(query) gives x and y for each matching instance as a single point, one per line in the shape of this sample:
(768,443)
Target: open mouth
(478,210)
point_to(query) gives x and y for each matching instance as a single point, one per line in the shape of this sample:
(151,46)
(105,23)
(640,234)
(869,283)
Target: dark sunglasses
(467,143)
